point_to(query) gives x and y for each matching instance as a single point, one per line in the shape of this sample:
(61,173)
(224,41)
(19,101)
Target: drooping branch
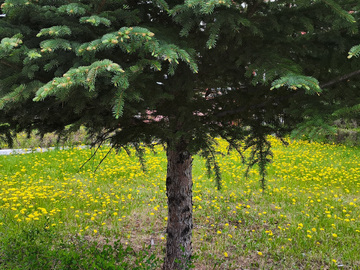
(101,161)
(91,157)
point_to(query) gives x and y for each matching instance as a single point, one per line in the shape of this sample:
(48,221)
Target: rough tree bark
(179,193)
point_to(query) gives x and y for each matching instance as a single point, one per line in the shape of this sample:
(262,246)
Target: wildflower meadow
(306,218)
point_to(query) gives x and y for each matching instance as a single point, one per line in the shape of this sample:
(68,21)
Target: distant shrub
(34,140)
(346,132)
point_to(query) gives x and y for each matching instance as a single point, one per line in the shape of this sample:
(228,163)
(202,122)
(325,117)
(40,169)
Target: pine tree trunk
(179,193)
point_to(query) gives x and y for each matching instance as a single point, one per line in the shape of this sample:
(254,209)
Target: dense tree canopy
(178,73)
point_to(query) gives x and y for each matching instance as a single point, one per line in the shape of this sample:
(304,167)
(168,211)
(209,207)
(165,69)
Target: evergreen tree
(338,106)
(177,73)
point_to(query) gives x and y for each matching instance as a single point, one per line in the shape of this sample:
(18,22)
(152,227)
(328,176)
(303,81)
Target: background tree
(132,74)
(335,115)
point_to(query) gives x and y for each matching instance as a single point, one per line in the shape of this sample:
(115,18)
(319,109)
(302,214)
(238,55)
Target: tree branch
(6,63)
(342,78)
(101,6)
(238,110)
(252,10)
(10,65)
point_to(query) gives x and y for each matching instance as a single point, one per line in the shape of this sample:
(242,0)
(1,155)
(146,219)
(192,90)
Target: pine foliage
(87,65)
(160,71)
(354,51)
(295,82)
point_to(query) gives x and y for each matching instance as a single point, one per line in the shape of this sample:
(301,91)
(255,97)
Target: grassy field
(53,216)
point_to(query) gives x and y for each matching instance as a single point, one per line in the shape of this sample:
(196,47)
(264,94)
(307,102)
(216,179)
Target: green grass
(307,218)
